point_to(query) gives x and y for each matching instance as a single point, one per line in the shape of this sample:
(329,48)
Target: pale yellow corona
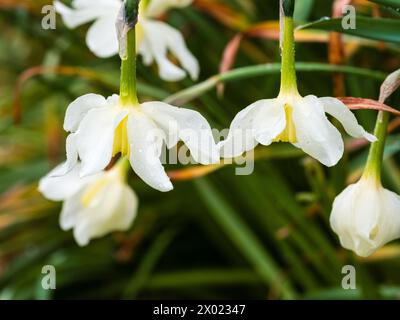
(121,141)
(289,133)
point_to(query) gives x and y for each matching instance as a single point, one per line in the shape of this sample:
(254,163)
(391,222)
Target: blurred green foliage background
(261,236)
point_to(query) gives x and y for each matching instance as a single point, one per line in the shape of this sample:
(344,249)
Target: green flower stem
(128,93)
(375,157)
(128,86)
(288,68)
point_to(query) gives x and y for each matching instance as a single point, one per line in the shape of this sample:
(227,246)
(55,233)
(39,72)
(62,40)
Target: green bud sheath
(131,12)
(288,7)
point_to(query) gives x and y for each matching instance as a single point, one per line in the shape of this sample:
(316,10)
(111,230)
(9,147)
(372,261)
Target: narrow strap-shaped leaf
(370,28)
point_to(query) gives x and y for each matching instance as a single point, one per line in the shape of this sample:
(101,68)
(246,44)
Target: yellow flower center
(117,173)
(289,133)
(92,191)
(139,35)
(121,142)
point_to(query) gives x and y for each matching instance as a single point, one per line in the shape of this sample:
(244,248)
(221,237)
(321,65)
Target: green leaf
(140,277)
(245,240)
(191,93)
(202,278)
(303,10)
(370,28)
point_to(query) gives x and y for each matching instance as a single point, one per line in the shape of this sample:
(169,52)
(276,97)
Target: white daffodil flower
(101,128)
(155,39)
(290,117)
(366,216)
(93,206)
(301,121)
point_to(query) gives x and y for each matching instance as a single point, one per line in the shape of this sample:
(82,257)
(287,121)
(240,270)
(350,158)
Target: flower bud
(366,216)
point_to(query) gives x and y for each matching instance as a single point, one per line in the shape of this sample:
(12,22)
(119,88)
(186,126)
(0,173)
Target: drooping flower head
(301,121)
(101,128)
(95,205)
(155,39)
(366,216)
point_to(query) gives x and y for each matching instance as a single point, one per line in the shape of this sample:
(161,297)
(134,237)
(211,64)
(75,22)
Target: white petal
(102,37)
(241,138)
(159,38)
(366,208)
(127,211)
(315,134)
(147,55)
(74,18)
(341,219)
(61,187)
(157,7)
(347,219)
(187,125)
(82,231)
(77,110)
(269,122)
(354,217)
(72,157)
(84,11)
(389,218)
(113,100)
(158,111)
(338,109)
(70,210)
(146,140)
(114,210)
(106,4)
(95,138)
